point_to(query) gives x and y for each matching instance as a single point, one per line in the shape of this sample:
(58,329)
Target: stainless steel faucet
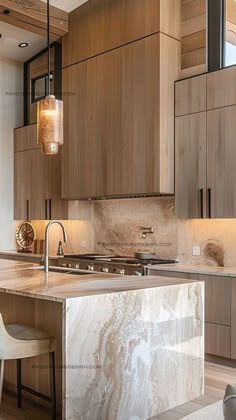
(46,264)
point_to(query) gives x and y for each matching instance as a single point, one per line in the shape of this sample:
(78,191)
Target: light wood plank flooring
(216,379)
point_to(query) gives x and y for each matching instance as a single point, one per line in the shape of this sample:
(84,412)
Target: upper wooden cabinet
(190,163)
(190,95)
(37,180)
(119,121)
(217,161)
(101,25)
(221,88)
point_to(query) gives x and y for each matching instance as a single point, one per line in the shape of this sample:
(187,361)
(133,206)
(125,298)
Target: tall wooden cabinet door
(82,161)
(190,169)
(21,185)
(38,185)
(221,162)
(57,208)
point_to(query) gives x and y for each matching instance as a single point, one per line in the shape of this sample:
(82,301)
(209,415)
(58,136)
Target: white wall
(11,116)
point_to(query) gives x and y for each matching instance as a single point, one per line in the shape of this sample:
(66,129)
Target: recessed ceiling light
(23,45)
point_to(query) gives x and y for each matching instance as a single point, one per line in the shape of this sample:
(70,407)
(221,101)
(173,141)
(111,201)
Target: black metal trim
(45,77)
(57,78)
(215,34)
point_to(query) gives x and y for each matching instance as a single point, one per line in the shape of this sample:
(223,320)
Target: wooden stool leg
(1,378)
(53,384)
(19,392)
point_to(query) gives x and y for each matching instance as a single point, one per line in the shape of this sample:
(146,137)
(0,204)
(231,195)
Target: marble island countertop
(26,279)
(199,269)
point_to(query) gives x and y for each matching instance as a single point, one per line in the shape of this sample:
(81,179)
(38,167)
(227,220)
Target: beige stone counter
(125,344)
(199,269)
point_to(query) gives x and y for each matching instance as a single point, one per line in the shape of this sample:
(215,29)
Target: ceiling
(13,36)
(67,5)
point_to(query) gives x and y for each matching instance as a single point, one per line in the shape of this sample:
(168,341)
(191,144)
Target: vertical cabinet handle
(27,210)
(209,202)
(201,203)
(50,209)
(46,209)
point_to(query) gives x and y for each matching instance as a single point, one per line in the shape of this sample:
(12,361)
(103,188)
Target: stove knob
(137,273)
(77,266)
(120,271)
(90,267)
(105,270)
(69,266)
(64,265)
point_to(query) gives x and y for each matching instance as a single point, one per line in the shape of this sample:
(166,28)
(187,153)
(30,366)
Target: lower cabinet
(220,311)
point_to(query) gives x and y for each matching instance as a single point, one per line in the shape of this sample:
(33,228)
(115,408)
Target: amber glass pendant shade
(50,125)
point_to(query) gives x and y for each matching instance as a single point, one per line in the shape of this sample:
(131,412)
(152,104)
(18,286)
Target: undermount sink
(61,270)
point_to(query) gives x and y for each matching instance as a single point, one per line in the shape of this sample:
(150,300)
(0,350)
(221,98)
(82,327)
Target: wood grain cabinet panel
(38,185)
(190,95)
(233,318)
(217,298)
(21,186)
(217,340)
(221,164)
(37,180)
(190,166)
(221,88)
(25,138)
(102,25)
(119,121)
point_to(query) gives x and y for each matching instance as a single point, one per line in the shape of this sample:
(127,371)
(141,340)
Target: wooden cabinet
(206,147)
(190,95)
(217,340)
(37,180)
(217,298)
(119,127)
(102,25)
(21,186)
(221,162)
(190,164)
(221,88)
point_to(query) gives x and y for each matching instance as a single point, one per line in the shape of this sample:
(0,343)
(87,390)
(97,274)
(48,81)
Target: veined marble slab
(133,355)
(199,269)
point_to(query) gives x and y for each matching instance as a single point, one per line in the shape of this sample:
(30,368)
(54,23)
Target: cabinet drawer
(217,340)
(174,274)
(217,298)
(221,88)
(190,95)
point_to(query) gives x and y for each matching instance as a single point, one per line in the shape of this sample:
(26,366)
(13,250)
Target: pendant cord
(48,40)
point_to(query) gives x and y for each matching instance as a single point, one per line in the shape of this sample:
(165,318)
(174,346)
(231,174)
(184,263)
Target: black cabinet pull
(209,202)
(27,210)
(201,202)
(46,209)
(50,209)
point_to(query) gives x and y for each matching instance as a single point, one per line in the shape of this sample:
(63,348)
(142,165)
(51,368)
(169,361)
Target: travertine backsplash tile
(114,228)
(117,222)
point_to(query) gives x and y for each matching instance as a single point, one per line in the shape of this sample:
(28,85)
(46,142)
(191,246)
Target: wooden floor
(216,379)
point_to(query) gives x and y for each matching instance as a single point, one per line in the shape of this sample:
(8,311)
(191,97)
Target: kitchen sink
(64,270)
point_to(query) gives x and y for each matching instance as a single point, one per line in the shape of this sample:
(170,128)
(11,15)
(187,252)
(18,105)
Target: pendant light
(49,113)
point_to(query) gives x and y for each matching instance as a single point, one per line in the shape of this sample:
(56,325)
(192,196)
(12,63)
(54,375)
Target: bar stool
(19,342)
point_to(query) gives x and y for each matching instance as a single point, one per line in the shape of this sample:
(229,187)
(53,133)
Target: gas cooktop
(108,263)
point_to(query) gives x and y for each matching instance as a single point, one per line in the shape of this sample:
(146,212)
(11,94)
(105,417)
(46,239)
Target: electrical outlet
(196,251)
(83,244)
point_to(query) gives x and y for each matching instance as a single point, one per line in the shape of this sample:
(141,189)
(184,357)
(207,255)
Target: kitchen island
(128,347)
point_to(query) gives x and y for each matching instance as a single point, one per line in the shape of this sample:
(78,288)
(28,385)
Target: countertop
(21,279)
(199,269)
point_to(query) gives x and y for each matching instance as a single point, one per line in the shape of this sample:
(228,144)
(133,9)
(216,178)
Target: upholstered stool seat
(20,342)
